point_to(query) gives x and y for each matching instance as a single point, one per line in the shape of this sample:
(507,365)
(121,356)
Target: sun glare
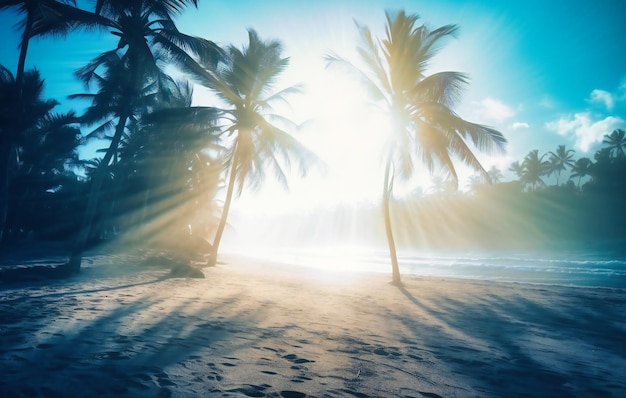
(346,132)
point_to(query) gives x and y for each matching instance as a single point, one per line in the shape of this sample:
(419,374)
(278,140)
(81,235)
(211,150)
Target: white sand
(269,330)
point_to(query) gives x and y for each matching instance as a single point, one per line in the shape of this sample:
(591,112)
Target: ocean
(555,268)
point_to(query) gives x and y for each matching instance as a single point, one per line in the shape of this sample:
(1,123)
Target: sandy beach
(274,330)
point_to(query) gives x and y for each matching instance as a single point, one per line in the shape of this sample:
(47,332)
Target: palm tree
(46,17)
(42,17)
(425,128)
(495,175)
(185,139)
(44,179)
(561,160)
(245,84)
(580,169)
(147,33)
(534,169)
(475,181)
(442,184)
(21,109)
(616,143)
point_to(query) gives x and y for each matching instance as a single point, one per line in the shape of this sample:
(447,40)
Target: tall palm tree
(147,33)
(425,128)
(580,169)
(616,143)
(534,169)
(255,142)
(41,17)
(21,109)
(561,160)
(495,175)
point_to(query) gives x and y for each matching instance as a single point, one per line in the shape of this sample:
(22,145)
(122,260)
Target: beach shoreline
(270,330)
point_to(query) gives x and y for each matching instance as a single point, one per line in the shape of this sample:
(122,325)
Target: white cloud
(609,99)
(584,129)
(520,125)
(602,97)
(494,110)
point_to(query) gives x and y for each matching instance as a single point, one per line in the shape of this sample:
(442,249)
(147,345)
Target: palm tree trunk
(229,197)
(80,243)
(395,269)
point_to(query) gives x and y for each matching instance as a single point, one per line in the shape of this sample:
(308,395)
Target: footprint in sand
(214,374)
(386,352)
(293,358)
(300,379)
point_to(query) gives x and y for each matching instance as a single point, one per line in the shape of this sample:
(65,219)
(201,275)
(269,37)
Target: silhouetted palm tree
(44,182)
(50,147)
(534,169)
(425,128)
(560,161)
(616,143)
(185,139)
(495,175)
(474,182)
(245,84)
(580,169)
(147,33)
(21,109)
(45,17)
(608,173)
(441,184)
(41,17)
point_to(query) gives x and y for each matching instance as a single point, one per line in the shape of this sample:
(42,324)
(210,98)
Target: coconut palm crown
(425,129)
(147,36)
(256,138)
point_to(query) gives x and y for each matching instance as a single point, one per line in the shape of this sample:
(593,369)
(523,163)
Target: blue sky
(542,72)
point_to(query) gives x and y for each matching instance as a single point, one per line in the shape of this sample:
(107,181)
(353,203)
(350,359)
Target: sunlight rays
(348,135)
(174,220)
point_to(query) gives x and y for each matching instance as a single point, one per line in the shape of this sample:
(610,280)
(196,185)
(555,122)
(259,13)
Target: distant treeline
(585,205)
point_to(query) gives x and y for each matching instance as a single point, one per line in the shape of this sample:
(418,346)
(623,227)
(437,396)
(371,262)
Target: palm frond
(444,88)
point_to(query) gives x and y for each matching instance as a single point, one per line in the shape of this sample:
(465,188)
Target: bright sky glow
(544,73)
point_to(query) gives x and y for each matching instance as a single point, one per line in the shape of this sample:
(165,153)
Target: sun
(342,126)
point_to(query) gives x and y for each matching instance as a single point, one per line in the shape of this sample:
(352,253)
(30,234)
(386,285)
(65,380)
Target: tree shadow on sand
(113,341)
(531,341)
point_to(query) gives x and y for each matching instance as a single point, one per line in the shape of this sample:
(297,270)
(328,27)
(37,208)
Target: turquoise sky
(543,72)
